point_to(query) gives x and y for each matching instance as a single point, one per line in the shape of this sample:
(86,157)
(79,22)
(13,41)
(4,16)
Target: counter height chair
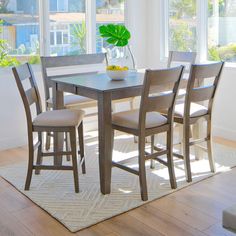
(191,111)
(146,121)
(186,59)
(63,66)
(66,121)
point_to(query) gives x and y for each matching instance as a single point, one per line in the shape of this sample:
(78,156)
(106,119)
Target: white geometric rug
(54,190)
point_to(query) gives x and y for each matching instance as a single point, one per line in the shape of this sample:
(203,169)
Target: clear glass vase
(121,56)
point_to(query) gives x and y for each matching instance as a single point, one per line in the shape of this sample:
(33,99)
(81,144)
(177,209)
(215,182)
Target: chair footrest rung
(154,155)
(47,154)
(158,148)
(197,141)
(178,155)
(46,167)
(115,164)
(161,161)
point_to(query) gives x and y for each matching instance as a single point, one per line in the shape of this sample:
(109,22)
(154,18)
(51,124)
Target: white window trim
(90,19)
(202,32)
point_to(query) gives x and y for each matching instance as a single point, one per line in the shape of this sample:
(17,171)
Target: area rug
(53,191)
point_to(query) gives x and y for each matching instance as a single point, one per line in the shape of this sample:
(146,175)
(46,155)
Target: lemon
(118,68)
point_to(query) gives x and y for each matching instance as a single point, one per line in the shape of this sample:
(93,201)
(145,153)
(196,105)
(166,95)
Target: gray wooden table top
(101,82)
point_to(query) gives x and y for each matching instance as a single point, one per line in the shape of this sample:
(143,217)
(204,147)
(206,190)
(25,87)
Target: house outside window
(59,38)
(68,31)
(19,29)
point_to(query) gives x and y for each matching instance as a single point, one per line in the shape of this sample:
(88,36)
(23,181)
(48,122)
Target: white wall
(224,115)
(12,117)
(136,21)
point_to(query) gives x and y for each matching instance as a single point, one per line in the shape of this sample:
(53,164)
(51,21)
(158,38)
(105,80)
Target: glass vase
(121,56)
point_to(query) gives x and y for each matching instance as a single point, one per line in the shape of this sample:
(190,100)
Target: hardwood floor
(196,210)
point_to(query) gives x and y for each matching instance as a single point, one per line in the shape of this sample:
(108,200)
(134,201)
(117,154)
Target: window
(182,25)
(58,5)
(108,12)
(20,28)
(64,31)
(207,27)
(221,30)
(67,27)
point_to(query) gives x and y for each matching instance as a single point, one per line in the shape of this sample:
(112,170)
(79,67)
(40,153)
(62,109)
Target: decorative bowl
(117,74)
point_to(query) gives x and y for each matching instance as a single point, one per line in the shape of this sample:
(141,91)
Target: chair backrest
(28,89)
(181,58)
(159,92)
(70,65)
(197,90)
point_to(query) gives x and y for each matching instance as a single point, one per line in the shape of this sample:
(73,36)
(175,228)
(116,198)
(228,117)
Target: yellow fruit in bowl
(117,72)
(117,68)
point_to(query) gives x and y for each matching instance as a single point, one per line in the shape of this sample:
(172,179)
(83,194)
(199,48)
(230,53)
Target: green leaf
(117,35)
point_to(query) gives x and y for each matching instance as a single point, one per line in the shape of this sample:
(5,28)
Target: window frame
(90,19)
(202,31)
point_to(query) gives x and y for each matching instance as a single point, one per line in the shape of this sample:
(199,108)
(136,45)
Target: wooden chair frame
(66,61)
(197,94)
(154,78)
(32,97)
(176,56)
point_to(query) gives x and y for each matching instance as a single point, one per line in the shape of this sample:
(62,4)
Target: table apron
(93,94)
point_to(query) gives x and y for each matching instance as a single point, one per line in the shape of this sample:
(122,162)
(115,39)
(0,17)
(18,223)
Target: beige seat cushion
(195,110)
(130,119)
(59,118)
(73,100)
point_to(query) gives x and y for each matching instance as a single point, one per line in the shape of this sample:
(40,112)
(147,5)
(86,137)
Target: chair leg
(181,138)
(131,103)
(170,160)
(39,153)
(195,132)
(186,152)
(112,138)
(142,169)
(81,147)
(209,148)
(67,140)
(30,163)
(48,141)
(152,151)
(73,143)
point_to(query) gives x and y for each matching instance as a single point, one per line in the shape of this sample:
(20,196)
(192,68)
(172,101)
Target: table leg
(58,103)
(105,142)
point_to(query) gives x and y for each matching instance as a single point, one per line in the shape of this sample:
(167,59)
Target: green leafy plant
(5,59)
(117,35)
(225,53)
(78,34)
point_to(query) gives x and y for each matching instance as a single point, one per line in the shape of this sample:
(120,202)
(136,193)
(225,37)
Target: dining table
(100,87)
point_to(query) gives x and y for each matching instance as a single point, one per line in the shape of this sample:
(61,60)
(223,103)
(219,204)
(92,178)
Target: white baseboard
(224,133)
(13,142)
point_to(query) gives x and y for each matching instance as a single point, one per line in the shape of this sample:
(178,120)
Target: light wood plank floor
(196,210)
